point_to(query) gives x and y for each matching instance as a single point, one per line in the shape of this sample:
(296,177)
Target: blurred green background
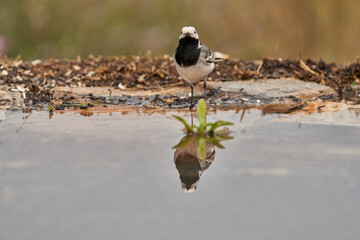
(327,29)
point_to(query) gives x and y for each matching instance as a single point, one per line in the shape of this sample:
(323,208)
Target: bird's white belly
(194,74)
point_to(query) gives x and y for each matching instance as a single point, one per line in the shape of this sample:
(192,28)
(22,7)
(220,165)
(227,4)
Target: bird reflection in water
(194,154)
(188,163)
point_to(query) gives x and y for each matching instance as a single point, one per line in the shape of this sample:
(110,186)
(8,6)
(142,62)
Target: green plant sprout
(203,128)
(205,133)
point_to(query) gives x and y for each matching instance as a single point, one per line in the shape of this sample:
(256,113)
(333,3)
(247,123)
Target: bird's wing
(206,54)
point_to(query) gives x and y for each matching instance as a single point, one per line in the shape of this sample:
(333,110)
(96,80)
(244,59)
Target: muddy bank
(154,82)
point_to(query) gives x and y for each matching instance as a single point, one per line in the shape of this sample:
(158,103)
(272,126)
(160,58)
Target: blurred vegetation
(327,29)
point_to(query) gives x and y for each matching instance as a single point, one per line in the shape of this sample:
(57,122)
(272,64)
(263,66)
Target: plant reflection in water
(196,150)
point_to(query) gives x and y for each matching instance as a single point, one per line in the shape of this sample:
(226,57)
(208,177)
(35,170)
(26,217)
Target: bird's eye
(194,32)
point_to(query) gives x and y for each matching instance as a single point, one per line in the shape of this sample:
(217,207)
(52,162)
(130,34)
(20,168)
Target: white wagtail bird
(193,60)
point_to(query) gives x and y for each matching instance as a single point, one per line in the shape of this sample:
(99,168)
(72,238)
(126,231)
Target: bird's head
(189,189)
(189,32)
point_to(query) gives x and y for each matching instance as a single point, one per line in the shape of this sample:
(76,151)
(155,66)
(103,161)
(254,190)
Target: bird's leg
(192,96)
(205,87)
(192,119)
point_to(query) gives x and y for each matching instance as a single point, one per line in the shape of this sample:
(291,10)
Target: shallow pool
(113,176)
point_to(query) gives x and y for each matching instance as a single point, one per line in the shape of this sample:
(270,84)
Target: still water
(113,176)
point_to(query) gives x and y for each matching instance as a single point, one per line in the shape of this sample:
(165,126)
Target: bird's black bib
(187,52)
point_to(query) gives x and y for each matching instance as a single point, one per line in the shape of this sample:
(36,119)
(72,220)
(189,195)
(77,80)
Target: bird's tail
(219,59)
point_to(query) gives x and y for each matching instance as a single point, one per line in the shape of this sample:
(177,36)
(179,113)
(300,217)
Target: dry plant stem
(307,69)
(259,68)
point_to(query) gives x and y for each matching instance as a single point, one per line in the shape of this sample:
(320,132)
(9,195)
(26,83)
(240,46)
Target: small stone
(68,73)
(18,63)
(122,87)
(36,62)
(4,73)
(76,67)
(89,74)
(273,88)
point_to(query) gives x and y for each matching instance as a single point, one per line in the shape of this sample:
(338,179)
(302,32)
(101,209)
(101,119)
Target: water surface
(112,176)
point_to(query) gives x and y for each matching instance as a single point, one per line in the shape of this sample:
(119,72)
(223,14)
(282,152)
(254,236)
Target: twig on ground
(307,69)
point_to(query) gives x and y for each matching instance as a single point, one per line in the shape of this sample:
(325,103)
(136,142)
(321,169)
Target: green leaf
(216,143)
(187,126)
(222,138)
(185,141)
(201,149)
(217,124)
(201,112)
